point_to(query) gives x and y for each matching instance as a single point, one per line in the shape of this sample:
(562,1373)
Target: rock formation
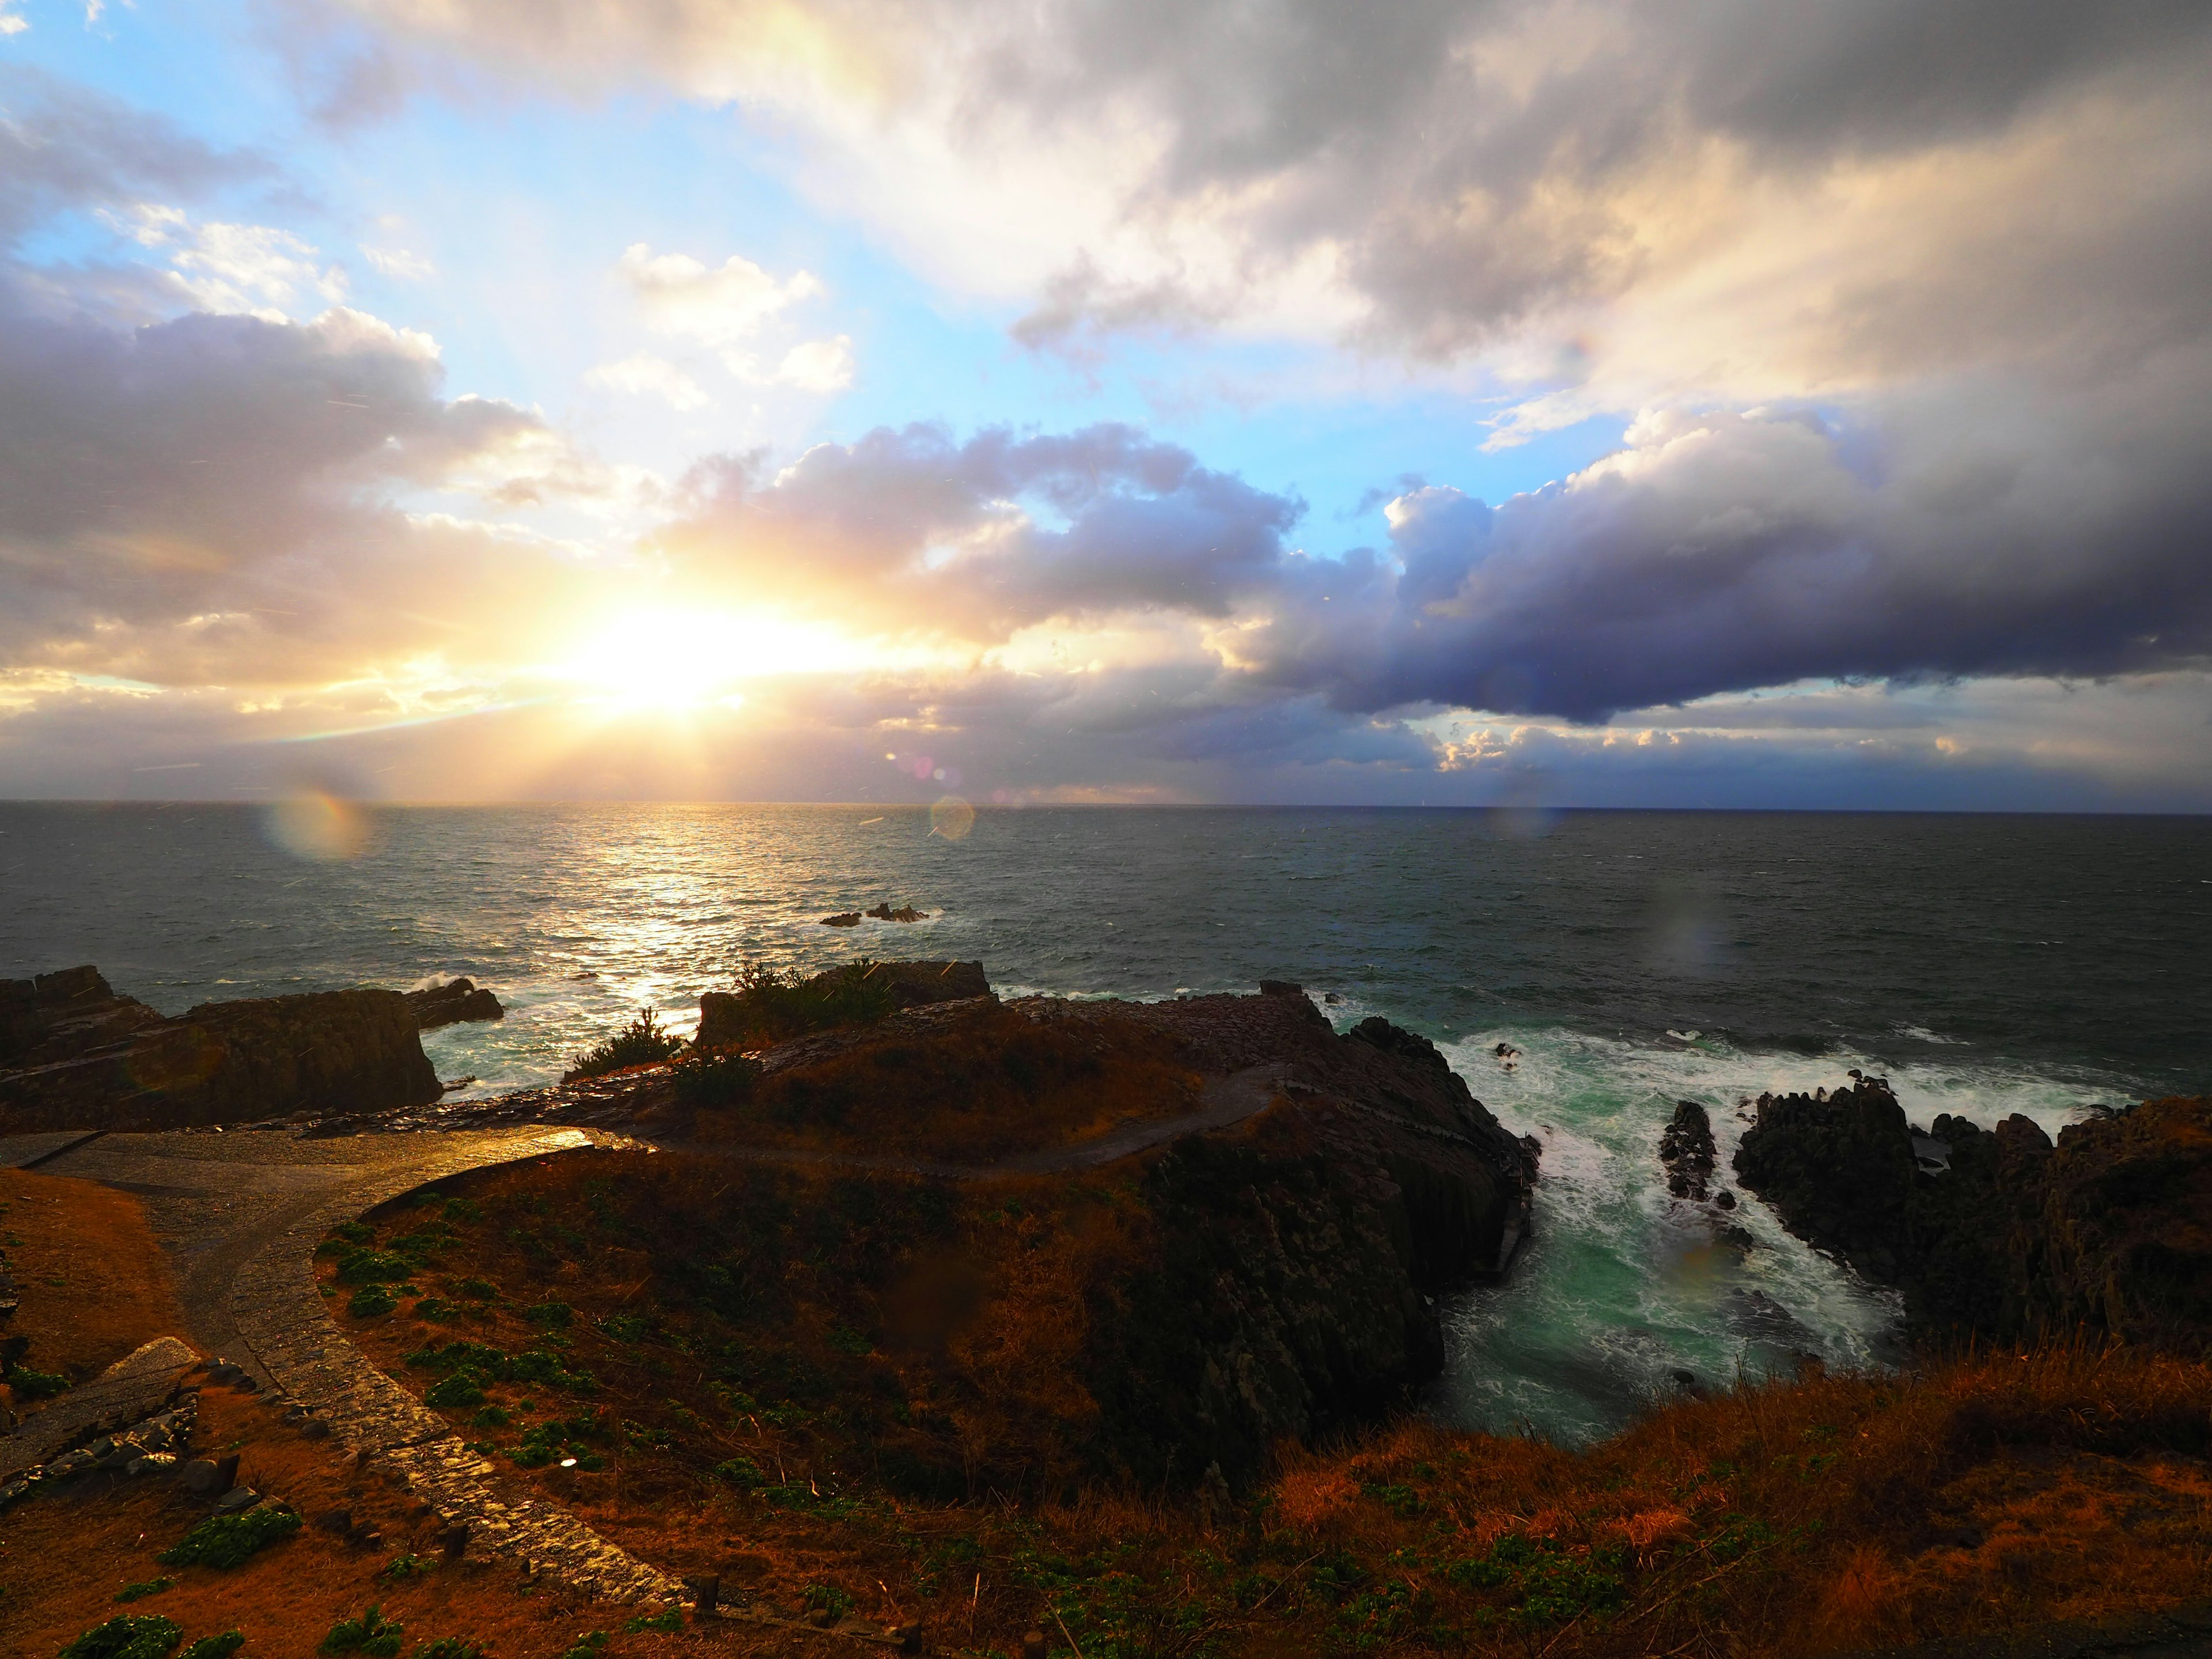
(1686,1150)
(1998,1233)
(912,985)
(74,1054)
(1301,1252)
(456,1002)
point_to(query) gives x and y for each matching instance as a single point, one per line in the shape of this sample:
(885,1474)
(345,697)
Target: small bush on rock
(718,1080)
(215,1647)
(641,1042)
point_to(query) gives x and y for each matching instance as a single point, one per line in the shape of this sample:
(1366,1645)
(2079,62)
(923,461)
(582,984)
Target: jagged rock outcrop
(1301,1252)
(1998,1233)
(74,1054)
(1686,1151)
(456,1002)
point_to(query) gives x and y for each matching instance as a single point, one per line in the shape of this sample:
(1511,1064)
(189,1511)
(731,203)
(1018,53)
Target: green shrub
(139,1592)
(127,1636)
(371,1300)
(450,1647)
(771,1007)
(666,1618)
(740,1472)
(464,1387)
(553,1315)
(641,1042)
(718,1078)
(215,1647)
(402,1567)
(375,1267)
(828,1598)
(589,1645)
(230,1540)
(370,1633)
(33,1385)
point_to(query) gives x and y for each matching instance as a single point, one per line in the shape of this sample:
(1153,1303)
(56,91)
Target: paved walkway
(241,1213)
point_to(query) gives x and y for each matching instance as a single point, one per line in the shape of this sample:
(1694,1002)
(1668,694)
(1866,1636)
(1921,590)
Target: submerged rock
(454,1003)
(74,1054)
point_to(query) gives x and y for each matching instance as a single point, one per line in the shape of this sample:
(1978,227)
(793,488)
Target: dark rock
(2010,1238)
(1724,1199)
(454,1003)
(1293,1295)
(1836,1170)
(1686,1150)
(1281,987)
(905,913)
(842,919)
(337,1521)
(73,1054)
(198,1477)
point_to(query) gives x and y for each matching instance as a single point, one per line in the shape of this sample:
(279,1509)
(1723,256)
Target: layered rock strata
(74,1054)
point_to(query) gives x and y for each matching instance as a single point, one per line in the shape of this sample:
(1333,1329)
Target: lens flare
(318,827)
(952,818)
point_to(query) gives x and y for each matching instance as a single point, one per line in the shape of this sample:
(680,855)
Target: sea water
(1984,965)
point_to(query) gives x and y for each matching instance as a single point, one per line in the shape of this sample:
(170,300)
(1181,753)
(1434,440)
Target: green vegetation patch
(215,1647)
(231,1541)
(642,1043)
(127,1636)
(370,1632)
(139,1592)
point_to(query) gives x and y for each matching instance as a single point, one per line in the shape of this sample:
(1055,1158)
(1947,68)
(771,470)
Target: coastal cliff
(1999,1233)
(75,1056)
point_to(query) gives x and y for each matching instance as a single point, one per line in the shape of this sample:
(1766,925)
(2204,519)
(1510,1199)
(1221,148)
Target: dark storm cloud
(909,527)
(1724,552)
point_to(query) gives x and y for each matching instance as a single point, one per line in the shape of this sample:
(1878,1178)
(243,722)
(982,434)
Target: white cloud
(398,263)
(644,375)
(10,23)
(716,306)
(254,269)
(818,365)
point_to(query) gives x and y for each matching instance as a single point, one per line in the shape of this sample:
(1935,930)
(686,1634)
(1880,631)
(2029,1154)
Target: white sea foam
(1623,1285)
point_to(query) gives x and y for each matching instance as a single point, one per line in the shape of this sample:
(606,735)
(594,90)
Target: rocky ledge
(456,1002)
(75,1056)
(1999,1234)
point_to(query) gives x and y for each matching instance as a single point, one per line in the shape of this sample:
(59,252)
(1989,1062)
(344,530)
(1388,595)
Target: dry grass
(63,1558)
(992,1084)
(1828,1513)
(91,1279)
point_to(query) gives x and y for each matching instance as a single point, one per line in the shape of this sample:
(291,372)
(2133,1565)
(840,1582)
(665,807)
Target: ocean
(1985,964)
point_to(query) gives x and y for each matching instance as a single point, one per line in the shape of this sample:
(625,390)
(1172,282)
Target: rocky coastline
(2000,1235)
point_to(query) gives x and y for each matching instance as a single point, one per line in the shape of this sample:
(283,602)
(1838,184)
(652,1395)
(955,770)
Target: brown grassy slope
(1829,1513)
(63,1556)
(92,1281)
(966,1083)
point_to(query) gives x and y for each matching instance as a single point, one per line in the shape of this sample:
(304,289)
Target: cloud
(1722,551)
(818,365)
(398,263)
(233,268)
(907,528)
(644,375)
(720,305)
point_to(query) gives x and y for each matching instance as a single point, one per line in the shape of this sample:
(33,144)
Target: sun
(673,659)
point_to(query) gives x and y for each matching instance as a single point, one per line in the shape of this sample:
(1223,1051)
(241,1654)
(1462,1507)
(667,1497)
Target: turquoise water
(1985,964)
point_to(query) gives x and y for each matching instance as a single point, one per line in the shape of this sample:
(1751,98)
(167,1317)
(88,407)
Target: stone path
(241,1213)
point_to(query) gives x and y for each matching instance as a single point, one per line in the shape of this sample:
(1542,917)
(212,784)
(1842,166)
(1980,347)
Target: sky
(1535,403)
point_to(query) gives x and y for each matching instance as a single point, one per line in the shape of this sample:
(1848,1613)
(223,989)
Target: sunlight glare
(670,658)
